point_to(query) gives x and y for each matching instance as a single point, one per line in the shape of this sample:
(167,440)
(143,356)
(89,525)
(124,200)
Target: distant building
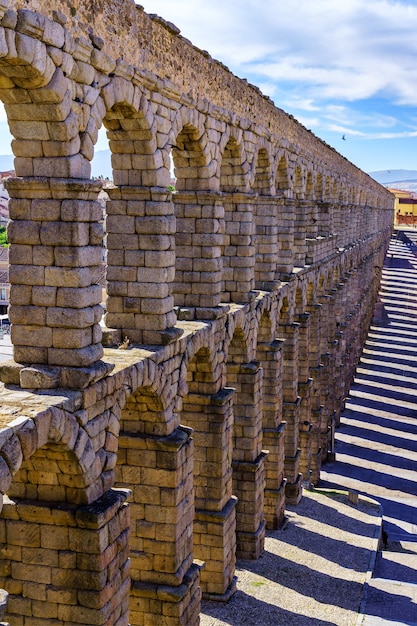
(4,205)
(4,280)
(4,252)
(405,207)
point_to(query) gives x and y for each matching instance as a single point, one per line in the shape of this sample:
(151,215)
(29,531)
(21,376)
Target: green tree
(3,237)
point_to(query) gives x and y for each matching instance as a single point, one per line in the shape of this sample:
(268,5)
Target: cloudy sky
(344,68)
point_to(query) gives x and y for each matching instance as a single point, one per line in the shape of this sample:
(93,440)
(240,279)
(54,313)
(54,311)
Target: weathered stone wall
(236,312)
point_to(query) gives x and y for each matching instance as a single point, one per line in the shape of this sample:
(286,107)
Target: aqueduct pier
(133,478)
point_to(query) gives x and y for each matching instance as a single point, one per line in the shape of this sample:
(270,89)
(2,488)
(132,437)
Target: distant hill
(385,177)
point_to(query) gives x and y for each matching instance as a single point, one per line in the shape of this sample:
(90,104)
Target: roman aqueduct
(133,478)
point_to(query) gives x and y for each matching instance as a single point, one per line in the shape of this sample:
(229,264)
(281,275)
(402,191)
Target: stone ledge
(52,377)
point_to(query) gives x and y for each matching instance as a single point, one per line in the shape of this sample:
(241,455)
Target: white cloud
(349,50)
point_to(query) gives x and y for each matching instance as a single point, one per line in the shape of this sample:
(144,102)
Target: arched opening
(238,251)
(266,223)
(302,224)
(189,159)
(298,184)
(233,168)
(262,183)
(199,224)
(282,178)
(318,187)
(309,193)
(140,239)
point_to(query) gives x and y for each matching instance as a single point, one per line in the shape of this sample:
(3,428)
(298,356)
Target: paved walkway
(376,446)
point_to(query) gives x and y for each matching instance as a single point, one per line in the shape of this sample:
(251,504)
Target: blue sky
(343,68)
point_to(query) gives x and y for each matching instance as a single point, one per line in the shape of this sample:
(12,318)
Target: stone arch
(56,461)
(282,182)
(298,183)
(334,191)
(140,244)
(145,412)
(131,130)
(61,502)
(262,181)
(300,303)
(327,189)
(266,220)
(238,348)
(321,283)
(311,292)
(309,191)
(29,67)
(233,167)
(285,310)
(318,187)
(201,373)
(265,332)
(191,161)
(199,216)
(52,146)
(238,247)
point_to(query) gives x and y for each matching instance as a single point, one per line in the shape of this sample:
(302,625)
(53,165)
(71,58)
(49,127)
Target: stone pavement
(376,445)
(312,572)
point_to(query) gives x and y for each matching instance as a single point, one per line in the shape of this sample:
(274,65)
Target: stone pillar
(198,244)
(325,387)
(345,224)
(141,265)
(291,412)
(248,458)
(286,219)
(211,417)
(311,219)
(159,471)
(325,219)
(334,399)
(239,248)
(67,564)
(315,394)
(266,242)
(270,356)
(55,261)
(305,384)
(300,245)
(249,485)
